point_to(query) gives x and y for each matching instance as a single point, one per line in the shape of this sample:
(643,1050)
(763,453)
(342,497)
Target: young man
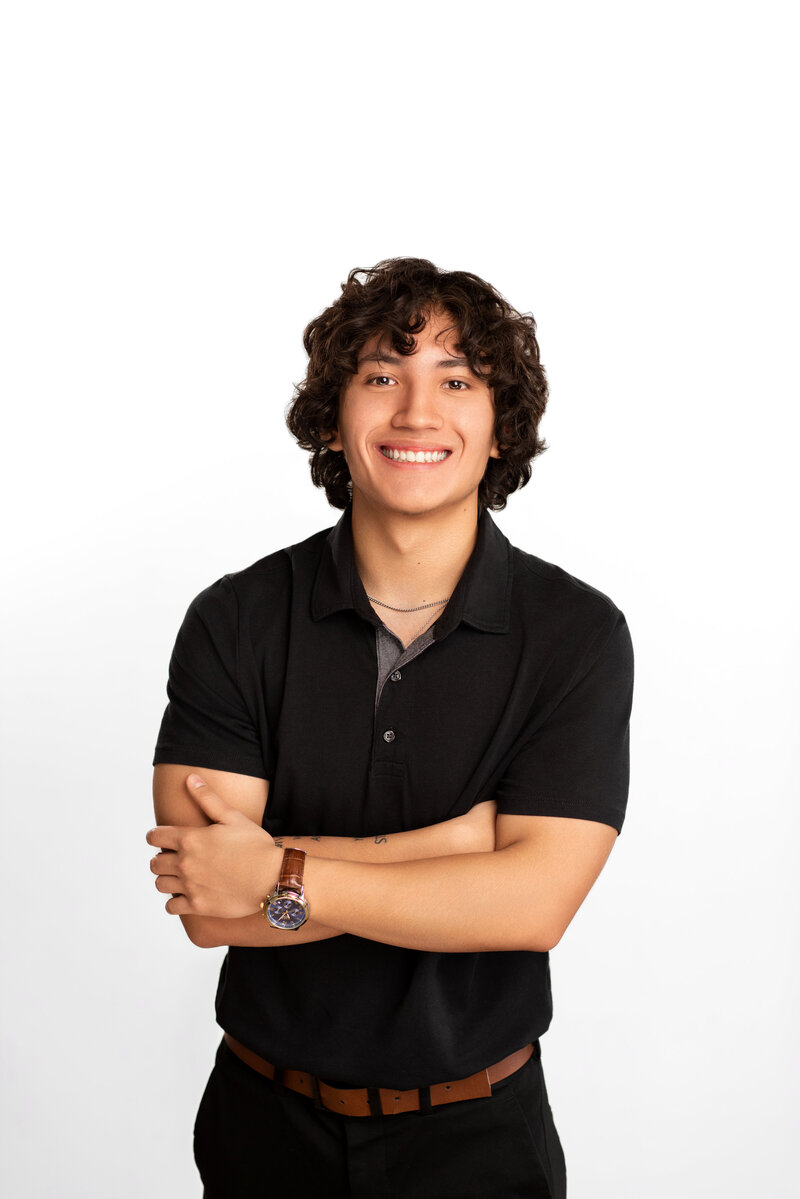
(394,762)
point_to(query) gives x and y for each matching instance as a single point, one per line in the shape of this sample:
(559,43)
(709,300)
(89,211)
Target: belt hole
(447,1086)
(397,1098)
(342,1102)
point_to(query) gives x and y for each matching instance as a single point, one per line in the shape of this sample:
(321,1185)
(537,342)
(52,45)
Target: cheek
(484,436)
(354,420)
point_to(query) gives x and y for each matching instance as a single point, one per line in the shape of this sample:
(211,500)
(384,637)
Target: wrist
(285,906)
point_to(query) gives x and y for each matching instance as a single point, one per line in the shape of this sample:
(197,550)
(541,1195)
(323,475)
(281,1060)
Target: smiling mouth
(414,455)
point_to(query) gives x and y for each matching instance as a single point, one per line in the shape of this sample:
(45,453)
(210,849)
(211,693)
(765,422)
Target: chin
(423,505)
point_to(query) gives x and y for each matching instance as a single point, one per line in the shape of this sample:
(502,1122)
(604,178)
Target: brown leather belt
(377,1101)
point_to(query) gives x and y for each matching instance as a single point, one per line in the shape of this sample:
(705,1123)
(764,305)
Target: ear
(335,442)
(494,452)
(499,447)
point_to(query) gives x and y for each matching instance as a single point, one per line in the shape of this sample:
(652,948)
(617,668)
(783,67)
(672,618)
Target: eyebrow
(376,356)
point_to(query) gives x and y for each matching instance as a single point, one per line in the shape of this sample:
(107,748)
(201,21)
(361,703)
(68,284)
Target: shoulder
(547,580)
(576,618)
(262,586)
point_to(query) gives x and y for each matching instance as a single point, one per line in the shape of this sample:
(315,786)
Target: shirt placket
(392,728)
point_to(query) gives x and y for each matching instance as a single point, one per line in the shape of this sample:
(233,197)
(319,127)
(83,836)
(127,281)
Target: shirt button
(389,735)
(396,677)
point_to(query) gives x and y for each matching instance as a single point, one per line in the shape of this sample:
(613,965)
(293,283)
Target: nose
(417,408)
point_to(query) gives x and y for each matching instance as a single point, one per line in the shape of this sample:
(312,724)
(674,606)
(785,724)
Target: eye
(379,378)
(461,384)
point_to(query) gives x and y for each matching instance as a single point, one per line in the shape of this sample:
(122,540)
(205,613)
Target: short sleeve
(207,722)
(577,762)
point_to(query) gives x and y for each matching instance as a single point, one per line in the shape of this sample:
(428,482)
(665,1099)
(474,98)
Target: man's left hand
(223,869)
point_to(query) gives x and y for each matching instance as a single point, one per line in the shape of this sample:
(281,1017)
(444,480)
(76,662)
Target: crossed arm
(458,886)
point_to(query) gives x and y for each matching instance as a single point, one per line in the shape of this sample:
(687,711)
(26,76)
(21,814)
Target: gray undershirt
(392,656)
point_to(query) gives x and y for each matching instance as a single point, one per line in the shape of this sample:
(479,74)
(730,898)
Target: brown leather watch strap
(292,866)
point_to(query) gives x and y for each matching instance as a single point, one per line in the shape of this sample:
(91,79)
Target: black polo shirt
(523,696)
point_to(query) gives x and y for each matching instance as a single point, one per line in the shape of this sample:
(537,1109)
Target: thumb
(212,804)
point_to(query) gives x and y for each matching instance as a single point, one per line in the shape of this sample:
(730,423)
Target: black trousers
(251,1140)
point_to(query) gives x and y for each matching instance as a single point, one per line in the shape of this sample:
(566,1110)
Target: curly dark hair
(395,300)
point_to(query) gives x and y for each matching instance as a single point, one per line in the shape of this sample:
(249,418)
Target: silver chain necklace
(419,608)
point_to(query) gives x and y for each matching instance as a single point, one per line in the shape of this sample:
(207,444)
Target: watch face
(286,911)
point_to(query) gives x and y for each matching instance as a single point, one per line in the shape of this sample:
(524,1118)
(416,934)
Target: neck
(410,560)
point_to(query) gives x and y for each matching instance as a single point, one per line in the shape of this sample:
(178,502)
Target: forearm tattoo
(379,839)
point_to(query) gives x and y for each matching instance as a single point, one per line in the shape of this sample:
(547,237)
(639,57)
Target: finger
(212,804)
(163,863)
(178,905)
(170,884)
(164,836)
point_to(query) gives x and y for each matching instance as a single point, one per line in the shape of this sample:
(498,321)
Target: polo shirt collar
(482,597)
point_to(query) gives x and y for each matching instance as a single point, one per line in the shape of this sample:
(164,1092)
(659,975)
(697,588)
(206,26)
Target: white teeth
(414,455)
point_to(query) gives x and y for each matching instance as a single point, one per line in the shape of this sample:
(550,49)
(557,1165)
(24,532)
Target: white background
(186,186)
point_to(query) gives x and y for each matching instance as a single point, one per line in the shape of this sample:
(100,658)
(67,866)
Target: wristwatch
(286,908)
